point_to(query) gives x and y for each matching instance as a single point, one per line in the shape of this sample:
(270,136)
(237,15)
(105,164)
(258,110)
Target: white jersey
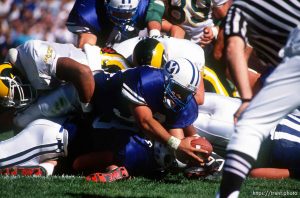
(215,119)
(59,102)
(37,61)
(192,16)
(174,48)
(40,141)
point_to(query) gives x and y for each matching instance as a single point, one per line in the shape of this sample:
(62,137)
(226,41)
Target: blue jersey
(129,148)
(90,16)
(143,86)
(286,145)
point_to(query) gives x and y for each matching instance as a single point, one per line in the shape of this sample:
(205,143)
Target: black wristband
(246,99)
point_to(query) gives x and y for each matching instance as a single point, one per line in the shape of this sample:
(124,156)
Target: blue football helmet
(182,79)
(122,12)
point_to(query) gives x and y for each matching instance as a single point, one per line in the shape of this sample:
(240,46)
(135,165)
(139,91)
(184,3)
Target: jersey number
(177,14)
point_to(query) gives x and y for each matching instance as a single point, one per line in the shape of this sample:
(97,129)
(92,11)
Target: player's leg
(58,102)
(40,141)
(215,120)
(277,98)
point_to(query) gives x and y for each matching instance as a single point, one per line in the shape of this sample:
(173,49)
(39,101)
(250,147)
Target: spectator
(31,19)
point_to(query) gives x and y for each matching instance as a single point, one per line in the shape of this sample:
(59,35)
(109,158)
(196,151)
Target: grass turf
(169,186)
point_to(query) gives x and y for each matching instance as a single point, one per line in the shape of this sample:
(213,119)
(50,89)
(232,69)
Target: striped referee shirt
(264,24)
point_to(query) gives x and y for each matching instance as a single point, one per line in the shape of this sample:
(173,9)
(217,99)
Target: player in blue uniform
(120,147)
(281,159)
(161,100)
(107,22)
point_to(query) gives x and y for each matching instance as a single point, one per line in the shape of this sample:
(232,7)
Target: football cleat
(119,173)
(24,171)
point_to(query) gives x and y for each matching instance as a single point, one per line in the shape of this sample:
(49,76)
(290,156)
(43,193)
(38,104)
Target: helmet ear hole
(149,51)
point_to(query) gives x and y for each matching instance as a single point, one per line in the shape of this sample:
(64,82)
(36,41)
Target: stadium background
(22,20)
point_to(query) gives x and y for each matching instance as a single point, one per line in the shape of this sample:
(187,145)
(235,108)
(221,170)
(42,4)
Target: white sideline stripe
(286,136)
(236,164)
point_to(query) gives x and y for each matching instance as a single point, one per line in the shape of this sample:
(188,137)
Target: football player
(195,18)
(169,98)
(107,142)
(278,157)
(167,94)
(111,21)
(155,51)
(34,68)
(119,144)
(171,95)
(34,150)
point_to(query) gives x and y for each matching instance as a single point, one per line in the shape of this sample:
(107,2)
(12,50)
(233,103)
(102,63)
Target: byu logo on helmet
(172,67)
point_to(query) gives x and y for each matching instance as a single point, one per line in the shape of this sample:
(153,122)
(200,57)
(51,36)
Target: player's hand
(185,146)
(207,37)
(242,108)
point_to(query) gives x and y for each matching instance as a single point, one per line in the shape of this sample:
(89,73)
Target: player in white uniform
(43,63)
(193,20)
(42,140)
(174,47)
(46,66)
(193,16)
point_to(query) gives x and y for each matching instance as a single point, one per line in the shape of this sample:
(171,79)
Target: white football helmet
(122,12)
(182,79)
(13,93)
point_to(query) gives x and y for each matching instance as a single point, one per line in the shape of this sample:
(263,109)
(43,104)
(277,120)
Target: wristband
(174,142)
(246,99)
(154,32)
(215,32)
(86,107)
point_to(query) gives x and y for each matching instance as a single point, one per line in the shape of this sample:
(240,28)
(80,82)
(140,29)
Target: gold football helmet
(13,93)
(149,51)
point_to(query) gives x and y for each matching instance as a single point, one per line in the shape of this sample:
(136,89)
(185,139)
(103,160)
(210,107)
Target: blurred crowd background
(22,20)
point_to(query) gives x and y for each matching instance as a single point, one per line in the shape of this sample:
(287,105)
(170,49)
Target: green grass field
(169,186)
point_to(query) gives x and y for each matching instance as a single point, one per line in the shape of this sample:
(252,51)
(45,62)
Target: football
(202,143)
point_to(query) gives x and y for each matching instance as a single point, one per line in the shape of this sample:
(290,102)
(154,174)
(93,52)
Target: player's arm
(84,38)
(144,118)
(80,75)
(154,15)
(219,11)
(239,69)
(199,96)
(220,8)
(172,30)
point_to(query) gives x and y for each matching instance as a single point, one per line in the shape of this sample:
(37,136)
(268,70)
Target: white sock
(49,167)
